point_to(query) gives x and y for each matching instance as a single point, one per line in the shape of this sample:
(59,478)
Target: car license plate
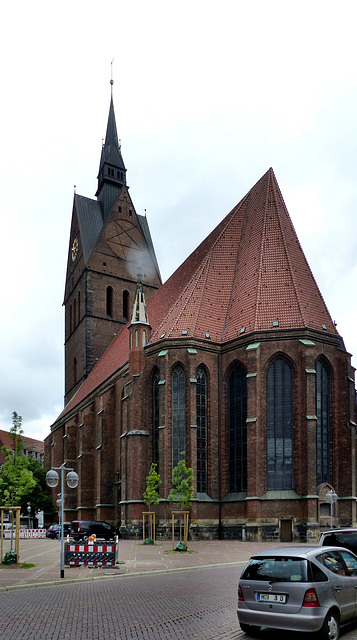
(271,597)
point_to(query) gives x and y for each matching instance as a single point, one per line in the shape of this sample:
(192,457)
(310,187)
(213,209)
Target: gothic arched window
(109,301)
(280,432)
(155,415)
(201,422)
(178,414)
(237,429)
(323,423)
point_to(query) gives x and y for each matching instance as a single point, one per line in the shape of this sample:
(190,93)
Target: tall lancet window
(109,302)
(237,429)
(323,422)
(126,304)
(155,416)
(201,421)
(178,414)
(280,432)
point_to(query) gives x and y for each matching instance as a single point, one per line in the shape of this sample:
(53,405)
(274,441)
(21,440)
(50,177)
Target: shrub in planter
(10,557)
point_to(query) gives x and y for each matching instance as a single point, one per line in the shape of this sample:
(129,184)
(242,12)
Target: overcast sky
(207,97)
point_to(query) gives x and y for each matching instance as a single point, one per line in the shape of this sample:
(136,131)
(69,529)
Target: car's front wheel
(330,629)
(249,628)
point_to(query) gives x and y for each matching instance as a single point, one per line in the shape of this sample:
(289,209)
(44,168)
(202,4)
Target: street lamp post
(59,503)
(52,481)
(331,497)
(29,513)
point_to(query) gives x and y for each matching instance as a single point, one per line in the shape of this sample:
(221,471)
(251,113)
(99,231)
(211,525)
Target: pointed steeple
(140,315)
(112,171)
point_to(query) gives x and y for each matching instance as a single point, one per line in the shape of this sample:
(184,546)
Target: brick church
(235,360)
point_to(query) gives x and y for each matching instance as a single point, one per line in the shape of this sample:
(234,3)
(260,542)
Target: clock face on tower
(124,238)
(74,250)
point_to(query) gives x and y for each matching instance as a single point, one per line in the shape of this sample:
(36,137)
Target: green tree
(23,480)
(153,482)
(16,479)
(182,487)
(151,496)
(39,497)
(15,434)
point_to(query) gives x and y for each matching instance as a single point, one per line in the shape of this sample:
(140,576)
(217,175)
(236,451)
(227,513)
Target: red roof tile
(249,272)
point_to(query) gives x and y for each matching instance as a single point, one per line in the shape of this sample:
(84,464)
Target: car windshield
(276,569)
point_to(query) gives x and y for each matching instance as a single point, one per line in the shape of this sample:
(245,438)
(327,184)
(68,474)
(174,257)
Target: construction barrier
(24,533)
(90,554)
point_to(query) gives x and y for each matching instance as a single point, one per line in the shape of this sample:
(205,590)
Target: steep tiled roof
(249,272)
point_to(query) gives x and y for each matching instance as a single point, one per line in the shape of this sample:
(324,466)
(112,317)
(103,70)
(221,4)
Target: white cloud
(207,98)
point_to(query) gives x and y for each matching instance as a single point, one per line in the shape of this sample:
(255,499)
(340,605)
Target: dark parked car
(54,531)
(311,589)
(346,538)
(82,529)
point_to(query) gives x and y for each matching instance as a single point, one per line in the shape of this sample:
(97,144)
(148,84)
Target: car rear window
(271,569)
(340,539)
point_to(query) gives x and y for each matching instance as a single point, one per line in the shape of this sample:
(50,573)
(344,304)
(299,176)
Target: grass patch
(27,565)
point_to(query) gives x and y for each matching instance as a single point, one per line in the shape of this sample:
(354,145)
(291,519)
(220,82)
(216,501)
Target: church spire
(112,171)
(140,315)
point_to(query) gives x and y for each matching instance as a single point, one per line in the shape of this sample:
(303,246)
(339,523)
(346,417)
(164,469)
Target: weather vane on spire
(111,76)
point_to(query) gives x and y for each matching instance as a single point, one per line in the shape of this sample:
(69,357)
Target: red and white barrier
(90,554)
(25,533)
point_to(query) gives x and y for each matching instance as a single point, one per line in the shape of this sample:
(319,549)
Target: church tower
(109,244)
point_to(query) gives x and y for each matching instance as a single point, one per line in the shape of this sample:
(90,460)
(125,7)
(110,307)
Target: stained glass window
(237,429)
(155,415)
(280,432)
(178,414)
(201,421)
(323,423)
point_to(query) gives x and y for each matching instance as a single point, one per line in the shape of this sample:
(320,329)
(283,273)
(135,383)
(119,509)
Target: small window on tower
(110,301)
(126,300)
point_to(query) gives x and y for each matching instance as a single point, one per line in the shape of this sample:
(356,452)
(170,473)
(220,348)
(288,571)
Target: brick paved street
(153,595)
(194,604)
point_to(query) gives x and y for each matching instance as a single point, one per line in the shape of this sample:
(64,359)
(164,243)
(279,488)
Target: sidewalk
(134,558)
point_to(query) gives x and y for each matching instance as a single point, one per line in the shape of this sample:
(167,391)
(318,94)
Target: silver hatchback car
(311,589)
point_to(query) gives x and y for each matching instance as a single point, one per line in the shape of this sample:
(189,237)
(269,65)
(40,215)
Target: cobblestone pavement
(195,604)
(154,594)
(134,557)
